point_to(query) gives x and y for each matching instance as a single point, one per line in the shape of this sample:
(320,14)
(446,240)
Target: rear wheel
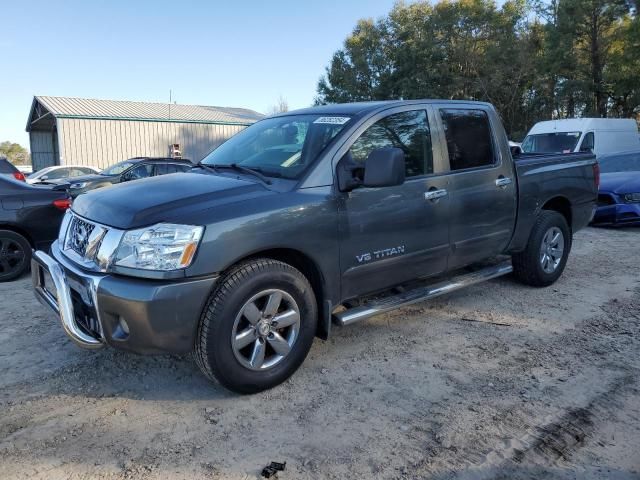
(257,327)
(543,260)
(15,255)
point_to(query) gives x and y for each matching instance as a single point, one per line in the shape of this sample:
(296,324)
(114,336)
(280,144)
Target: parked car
(619,193)
(132,169)
(60,172)
(598,135)
(30,218)
(305,218)
(26,169)
(8,169)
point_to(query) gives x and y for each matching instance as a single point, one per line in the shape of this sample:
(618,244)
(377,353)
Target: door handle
(502,182)
(435,194)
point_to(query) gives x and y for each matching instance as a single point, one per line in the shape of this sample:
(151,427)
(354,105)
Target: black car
(132,169)
(30,217)
(8,169)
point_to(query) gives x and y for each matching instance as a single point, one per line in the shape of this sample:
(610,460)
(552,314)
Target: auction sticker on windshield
(332,120)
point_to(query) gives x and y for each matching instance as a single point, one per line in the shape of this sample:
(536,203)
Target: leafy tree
(533,59)
(15,153)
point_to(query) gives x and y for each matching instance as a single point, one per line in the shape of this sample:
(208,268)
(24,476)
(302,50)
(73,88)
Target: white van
(599,135)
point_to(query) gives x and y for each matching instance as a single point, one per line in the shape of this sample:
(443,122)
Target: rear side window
(588,143)
(163,169)
(469,140)
(406,130)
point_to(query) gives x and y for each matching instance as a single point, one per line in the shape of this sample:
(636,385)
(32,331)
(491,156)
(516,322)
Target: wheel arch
(310,269)
(19,231)
(562,205)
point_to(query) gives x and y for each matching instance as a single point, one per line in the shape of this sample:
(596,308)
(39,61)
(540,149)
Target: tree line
(534,60)
(15,153)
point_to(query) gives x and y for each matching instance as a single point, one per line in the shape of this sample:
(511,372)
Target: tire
(15,255)
(229,313)
(530,266)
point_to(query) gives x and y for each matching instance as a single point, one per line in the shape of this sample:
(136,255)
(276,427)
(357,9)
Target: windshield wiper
(239,168)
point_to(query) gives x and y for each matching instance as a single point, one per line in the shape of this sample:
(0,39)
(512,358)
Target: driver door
(390,235)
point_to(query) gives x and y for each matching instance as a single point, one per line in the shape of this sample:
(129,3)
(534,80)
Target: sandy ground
(498,381)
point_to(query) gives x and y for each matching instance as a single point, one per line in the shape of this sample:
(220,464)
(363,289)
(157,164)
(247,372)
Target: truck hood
(166,198)
(620,182)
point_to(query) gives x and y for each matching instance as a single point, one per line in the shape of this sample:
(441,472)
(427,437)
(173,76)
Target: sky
(237,53)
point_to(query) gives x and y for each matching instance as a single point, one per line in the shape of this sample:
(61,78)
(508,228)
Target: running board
(376,307)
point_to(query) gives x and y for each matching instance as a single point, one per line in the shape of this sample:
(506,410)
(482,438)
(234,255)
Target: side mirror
(384,167)
(44,177)
(516,151)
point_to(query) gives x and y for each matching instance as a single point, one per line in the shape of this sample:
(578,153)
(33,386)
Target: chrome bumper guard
(61,303)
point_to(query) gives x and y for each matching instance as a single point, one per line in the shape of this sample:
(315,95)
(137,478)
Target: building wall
(41,145)
(101,143)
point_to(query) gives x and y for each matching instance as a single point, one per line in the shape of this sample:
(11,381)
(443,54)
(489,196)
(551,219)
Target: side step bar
(420,294)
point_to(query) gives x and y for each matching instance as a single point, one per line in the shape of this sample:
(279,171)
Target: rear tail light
(596,174)
(19,176)
(62,203)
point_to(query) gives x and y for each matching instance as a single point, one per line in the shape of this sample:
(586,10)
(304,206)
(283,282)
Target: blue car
(619,193)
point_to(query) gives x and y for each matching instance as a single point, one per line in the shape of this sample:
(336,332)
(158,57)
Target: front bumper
(617,214)
(139,315)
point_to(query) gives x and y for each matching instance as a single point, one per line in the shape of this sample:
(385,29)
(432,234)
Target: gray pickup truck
(322,216)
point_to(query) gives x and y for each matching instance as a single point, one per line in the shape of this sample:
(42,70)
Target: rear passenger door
(481,183)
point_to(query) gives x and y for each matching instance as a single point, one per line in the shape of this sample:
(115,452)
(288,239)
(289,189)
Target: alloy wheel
(265,329)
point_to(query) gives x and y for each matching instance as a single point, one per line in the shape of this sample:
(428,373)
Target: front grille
(605,199)
(78,236)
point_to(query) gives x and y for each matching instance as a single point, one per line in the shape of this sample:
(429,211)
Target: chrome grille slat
(88,244)
(78,235)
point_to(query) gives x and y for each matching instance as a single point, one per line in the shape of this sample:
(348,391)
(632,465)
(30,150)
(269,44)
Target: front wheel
(15,255)
(257,327)
(545,256)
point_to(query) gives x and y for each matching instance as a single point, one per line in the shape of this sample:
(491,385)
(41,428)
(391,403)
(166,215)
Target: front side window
(117,169)
(588,143)
(469,139)
(141,171)
(280,146)
(57,173)
(557,142)
(406,130)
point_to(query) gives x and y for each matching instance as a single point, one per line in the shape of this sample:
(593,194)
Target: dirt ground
(497,381)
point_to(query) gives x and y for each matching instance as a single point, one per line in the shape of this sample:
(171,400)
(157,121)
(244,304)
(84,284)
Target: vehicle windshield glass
(117,168)
(279,146)
(620,163)
(557,142)
(39,173)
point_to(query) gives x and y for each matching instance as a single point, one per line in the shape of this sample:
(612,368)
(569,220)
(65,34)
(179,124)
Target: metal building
(78,131)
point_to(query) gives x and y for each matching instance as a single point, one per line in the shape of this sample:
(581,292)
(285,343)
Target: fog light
(124,326)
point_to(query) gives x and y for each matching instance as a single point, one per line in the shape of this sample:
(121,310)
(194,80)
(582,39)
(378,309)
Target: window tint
(587,143)
(408,131)
(468,138)
(57,173)
(141,171)
(162,169)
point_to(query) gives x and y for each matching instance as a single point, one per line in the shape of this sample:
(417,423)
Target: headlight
(164,247)
(632,197)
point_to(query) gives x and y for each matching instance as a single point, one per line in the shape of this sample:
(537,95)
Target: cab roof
(362,108)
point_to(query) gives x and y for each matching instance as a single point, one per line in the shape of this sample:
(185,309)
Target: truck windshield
(279,146)
(556,142)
